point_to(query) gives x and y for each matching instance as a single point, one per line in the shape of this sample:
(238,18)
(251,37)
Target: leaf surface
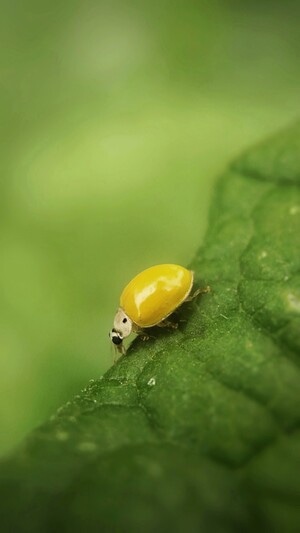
(198,429)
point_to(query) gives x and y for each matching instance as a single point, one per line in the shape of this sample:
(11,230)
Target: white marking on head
(122,328)
(122,324)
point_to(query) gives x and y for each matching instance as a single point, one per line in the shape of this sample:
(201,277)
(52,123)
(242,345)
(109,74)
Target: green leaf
(197,430)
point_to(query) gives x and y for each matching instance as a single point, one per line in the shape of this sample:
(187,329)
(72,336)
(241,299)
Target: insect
(149,299)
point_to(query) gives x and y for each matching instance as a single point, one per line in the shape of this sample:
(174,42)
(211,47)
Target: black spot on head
(111,333)
(117,340)
(124,320)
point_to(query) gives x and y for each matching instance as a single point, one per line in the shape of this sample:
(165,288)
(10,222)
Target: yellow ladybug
(150,298)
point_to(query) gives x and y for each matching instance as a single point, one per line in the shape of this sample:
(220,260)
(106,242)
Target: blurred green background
(116,118)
